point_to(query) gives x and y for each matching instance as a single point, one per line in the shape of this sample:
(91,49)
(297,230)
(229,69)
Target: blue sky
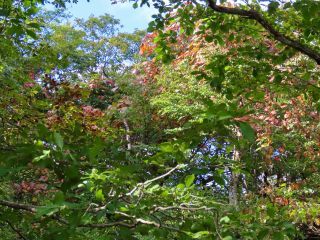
(129,17)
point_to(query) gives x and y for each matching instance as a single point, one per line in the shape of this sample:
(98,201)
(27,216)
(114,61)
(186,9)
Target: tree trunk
(233,189)
(234,177)
(128,138)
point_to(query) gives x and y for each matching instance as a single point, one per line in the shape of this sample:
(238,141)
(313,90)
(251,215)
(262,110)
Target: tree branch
(146,183)
(252,14)
(179,166)
(135,223)
(132,223)
(19,206)
(15,230)
(184,208)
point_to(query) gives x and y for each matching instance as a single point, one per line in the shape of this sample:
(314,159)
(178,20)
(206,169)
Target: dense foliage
(204,127)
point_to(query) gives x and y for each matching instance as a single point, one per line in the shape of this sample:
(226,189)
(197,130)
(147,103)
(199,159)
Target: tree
(211,134)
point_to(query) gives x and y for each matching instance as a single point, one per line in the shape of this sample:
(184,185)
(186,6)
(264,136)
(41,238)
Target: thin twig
(146,183)
(16,230)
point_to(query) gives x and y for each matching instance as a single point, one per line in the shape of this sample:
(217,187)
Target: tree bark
(234,180)
(128,137)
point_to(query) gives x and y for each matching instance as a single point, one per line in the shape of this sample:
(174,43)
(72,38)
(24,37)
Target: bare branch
(134,224)
(185,208)
(19,206)
(146,183)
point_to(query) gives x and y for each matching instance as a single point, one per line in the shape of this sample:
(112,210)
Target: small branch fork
(177,167)
(148,182)
(252,14)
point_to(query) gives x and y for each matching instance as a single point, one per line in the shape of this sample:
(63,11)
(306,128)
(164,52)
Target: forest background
(204,126)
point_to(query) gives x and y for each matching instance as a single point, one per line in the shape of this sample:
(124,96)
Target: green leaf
(225,219)
(219,180)
(46,154)
(153,189)
(4,12)
(227,238)
(225,116)
(189,180)
(209,38)
(272,7)
(278,236)
(199,234)
(219,40)
(34,25)
(59,197)
(287,5)
(166,147)
(180,186)
(4,171)
(100,195)
(271,211)
(135,5)
(58,140)
(247,131)
(263,234)
(47,210)
(31,34)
